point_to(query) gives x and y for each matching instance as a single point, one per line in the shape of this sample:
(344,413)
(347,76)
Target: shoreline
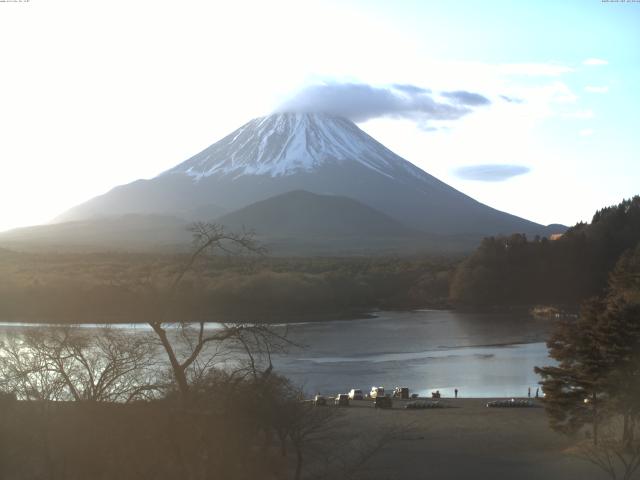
(284,319)
(446,402)
(301,318)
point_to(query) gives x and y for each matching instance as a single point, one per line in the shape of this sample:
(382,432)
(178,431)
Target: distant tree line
(515,270)
(115,287)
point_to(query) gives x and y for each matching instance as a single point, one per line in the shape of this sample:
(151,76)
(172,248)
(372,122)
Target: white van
(356,394)
(376,392)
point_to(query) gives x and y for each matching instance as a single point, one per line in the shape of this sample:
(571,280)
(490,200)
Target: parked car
(342,400)
(401,392)
(356,394)
(382,402)
(376,392)
(320,400)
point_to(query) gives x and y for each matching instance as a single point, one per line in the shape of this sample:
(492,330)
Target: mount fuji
(317,153)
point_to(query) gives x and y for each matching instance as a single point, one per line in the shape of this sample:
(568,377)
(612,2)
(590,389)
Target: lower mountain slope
(131,232)
(293,223)
(302,213)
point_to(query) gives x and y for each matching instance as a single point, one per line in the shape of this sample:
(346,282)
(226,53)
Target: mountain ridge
(313,152)
(306,213)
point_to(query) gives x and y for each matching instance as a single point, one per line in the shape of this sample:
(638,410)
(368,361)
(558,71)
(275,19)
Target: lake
(480,354)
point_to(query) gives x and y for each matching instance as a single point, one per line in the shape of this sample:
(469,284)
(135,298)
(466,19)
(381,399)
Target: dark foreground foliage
(220,435)
(230,428)
(596,382)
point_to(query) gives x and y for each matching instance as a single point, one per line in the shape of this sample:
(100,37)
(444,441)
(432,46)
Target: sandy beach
(466,440)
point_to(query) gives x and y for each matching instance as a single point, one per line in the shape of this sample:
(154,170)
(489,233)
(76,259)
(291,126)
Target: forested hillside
(516,270)
(117,287)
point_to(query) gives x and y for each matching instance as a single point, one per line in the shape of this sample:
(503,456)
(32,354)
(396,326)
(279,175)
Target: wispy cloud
(466,98)
(491,172)
(511,99)
(595,62)
(360,102)
(586,132)
(596,89)
(411,89)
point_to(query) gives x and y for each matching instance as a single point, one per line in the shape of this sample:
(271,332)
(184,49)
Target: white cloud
(490,172)
(586,132)
(596,89)
(360,102)
(595,62)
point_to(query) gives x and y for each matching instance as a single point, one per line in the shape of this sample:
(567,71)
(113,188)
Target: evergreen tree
(618,333)
(514,271)
(624,280)
(598,354)
(574,389)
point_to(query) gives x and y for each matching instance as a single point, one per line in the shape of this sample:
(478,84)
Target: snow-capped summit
(289,143)
(314,152)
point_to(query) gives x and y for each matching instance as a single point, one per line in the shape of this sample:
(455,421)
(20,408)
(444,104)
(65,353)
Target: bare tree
(184,351)
(326,447)
(308,427)
(615,454)
(71,363)
(24,371)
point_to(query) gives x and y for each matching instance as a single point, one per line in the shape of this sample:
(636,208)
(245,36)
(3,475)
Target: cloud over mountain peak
(360,102)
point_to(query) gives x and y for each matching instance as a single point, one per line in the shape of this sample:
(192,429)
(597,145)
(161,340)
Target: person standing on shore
(529,392)
(537,392)
(456,392)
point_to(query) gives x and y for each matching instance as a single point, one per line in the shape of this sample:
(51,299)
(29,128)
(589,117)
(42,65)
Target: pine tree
(598,355)
(618,333)
(574,389)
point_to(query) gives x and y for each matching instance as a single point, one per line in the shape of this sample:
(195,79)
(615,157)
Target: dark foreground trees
(596,382)
(234,427)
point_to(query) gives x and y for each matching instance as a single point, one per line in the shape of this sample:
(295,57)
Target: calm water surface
(483,355)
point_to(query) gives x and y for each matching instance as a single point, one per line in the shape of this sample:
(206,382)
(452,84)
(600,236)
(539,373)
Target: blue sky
(98,94)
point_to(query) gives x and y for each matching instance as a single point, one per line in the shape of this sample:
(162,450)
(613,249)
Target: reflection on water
(482,355)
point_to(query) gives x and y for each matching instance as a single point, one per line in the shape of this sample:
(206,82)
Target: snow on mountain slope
(288,143)
(314,152)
